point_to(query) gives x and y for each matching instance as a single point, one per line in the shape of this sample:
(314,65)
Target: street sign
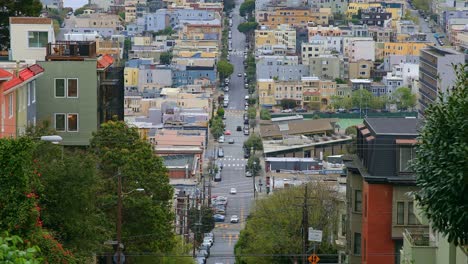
(313,259)
(315,235)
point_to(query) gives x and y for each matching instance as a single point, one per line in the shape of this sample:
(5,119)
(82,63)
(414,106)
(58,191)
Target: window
(407,153)
(358,200)
(59,87)
(60,122)
(38,39)
(400,213)
(412,220)
(72,122)
(343,224)
(10,105)
(357,244)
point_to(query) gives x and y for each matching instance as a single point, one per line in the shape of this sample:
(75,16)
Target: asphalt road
(233,173)
(424,26)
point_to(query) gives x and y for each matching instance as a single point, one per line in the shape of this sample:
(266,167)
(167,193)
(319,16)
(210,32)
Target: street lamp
(119,215)
(54,139)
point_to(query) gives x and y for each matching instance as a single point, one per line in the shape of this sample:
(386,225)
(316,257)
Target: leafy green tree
(225,69)
(404,99)
(11,8)
(253,164)
(252,112)
(275,223)
(288,103)
(147,217)
(201,221)
(378,102)
(217,127)
(247,7)
(81,10)
(265,114)
(122,15)
(340,81)
(247,27)
(164,32)
(315,116)
(254,142)
(228,5)
(220,111)
(344,102)
(361,98)
(441,162)
(351,130)
(165,58)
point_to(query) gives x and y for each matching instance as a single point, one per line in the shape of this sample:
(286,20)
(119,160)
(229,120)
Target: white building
(29,37)
(359,48)
(317,46)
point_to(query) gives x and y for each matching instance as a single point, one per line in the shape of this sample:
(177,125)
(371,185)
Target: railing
(419,238)
(71,50)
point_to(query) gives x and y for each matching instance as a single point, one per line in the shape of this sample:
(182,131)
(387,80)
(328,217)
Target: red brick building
(379,186)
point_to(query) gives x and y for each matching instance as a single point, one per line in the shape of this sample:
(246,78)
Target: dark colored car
(239,128)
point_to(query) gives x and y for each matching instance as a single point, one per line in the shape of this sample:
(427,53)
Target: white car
(286,111)
(239,74)
(221,139)
(234,219)
(246,97)
(226,89)
(208,240)
(233,191)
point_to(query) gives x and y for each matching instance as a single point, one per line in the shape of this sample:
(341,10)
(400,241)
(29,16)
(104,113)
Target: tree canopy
(247,27)
(404,99)
(165,58)
(265,114)
(247,7)
(217,127)
(275,223)
(225,68)
(441,162)
(254,142)
(361,98)
(15,8)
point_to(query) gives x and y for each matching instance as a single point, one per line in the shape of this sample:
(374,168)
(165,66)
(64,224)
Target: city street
(233,173)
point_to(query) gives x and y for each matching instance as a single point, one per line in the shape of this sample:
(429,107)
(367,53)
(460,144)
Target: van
(220,153)
(217,177)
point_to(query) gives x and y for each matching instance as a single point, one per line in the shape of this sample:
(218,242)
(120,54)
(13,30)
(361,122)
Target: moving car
(219,218)
(227,132)
(239,74)
(239,128)
(221,139)
(246,132)
(234,219)
(233,191)
(231,141)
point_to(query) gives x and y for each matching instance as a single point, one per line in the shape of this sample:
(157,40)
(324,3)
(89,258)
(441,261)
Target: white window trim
(64,88)
(77,122)
(77,88)
(10,105)
(55,122)
(48,38)
(29,93)
(33,84)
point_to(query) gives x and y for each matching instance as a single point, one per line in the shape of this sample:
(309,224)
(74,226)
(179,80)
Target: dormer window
(406,153)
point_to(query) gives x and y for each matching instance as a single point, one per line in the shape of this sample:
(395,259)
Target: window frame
(357,237)
(356,201)
(400,215)
(37,31)
(77,88)
(412,219)
(77,123)
(64,120)
(66,94)
(64,87)
(10,105)
(412,156)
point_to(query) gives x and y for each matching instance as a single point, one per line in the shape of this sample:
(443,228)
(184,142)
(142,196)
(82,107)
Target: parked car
(239,74)
(227,132)
(286,111)
(217,177)
(221,139)
(234,219)
(226,88)
(220,153)
(246,132)
(239,128)
(246,97)
(300,110)
(233,191)
(248,173)
(231,141)
(209,240)
(219,218)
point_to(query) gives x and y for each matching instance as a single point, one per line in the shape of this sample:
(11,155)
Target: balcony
(418,247)
(71,50)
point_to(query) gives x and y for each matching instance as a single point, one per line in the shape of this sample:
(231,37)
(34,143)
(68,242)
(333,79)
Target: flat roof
(394,126)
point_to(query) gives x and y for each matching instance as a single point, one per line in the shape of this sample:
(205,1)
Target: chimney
(17,68)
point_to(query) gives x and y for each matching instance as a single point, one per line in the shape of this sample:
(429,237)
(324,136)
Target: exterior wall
(361,49)
(325,67)
(8,122)
(85,105)
(269,38)
(98,21)
(402,48)
(377,243)
(354,217)
(266,92)
(19,36)
(360,69)
(31,107)
(310,50)
(131,77)
(299,17)
(21,109)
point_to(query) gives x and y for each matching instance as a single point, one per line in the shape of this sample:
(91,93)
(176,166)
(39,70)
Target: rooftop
(30,20)
(394,126)
(296,127)
(298,142)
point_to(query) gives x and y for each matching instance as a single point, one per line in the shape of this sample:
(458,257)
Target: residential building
(360,69)
(283,68)
(359,84)
(17,97)
(317,46)
(381,34)
(152,76)
(359,49)
(354,8)
(299,17)
(404,48)
(324,31)
(29,37)
(326,67)
(336,6)
(436,73)
(99,20)
(375,16)
(79,90)
(283,35)
(163,18)
(451,14)
(379,182)
(406,27)
(308,128)
(393,60)
(192,70)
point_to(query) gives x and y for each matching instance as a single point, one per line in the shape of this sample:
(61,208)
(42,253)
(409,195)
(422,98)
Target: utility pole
(119,217)
(305,227)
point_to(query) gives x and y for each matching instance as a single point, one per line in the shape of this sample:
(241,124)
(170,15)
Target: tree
(220,111)
(441,162)
(165,58)
(14,250)
(225,69)
(252,112)
(344,102)
(253,164)
(217,127)
(265,114)
(351,130)
(288,103)
(122,15)
(11,8)
(167,31)
(201,221)
(81,10)
(247,27)
(340,81)
(247,7)
(275,223)
(361,98)
(119,150)
(378,102)
(404,99)
(254,142)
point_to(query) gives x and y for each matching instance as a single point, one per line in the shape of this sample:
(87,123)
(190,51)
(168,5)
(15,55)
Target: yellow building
(317,93)
(266,92)
(403,48)
(360,69)
(353,8)
(294,17)
(131,76)
(142,41)
(283,35)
